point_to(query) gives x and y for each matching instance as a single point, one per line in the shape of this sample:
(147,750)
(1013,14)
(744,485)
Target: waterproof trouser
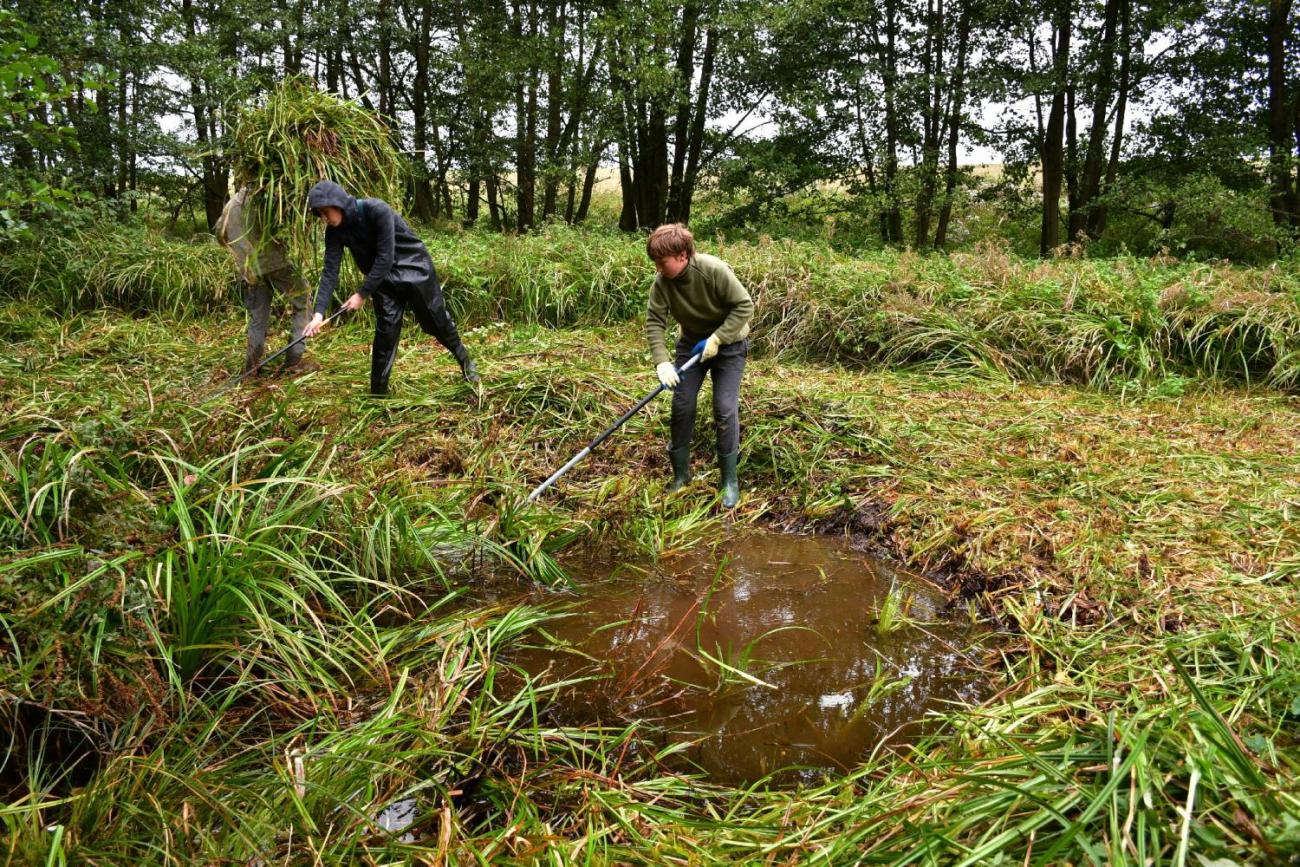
(258,299)
(391,301)
(726,368)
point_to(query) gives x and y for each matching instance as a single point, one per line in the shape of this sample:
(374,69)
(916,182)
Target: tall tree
(1053,148)
(1283,116)
(956,106)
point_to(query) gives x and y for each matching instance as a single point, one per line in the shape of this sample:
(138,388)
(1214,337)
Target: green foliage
(556,277)
(1198,216)
(30,83)
(1103,322)
(131,267)
(242,571)
(893,610)
(844,110)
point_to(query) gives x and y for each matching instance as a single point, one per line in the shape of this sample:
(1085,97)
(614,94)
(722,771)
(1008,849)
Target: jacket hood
(329,194)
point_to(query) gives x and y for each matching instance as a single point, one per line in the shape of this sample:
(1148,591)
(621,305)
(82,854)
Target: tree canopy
(1097,112)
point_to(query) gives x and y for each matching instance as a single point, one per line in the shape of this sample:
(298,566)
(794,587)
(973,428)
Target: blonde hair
(670,239)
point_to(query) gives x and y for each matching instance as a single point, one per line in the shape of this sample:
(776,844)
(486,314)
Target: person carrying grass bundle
(399,274)
(713,309)
(265,268)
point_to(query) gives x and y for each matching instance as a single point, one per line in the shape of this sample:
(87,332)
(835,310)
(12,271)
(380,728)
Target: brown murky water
(767,654)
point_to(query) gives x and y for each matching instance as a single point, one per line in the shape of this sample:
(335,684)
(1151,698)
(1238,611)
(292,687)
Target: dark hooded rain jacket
(383,246)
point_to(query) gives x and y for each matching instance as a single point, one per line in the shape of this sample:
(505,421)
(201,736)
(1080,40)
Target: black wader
(426,302)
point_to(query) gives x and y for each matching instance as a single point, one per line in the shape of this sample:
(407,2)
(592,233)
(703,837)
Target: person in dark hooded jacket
(399,275)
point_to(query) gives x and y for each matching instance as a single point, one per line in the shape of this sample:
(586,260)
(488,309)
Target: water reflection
(770,651)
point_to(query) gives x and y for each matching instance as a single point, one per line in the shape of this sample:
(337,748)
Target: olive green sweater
(706,298)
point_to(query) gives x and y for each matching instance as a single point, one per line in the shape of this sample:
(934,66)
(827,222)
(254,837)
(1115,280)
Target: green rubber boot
(681,458)
(728,485)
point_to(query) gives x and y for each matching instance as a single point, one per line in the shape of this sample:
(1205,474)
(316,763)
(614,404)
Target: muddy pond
(769,654)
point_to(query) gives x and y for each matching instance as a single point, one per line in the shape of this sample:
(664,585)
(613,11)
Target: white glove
(667,374)
(711,347)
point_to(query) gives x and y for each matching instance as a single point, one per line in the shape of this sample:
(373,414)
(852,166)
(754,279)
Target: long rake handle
(573,461)
(235,380)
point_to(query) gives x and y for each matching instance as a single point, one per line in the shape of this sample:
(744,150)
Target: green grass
(256,609)
(134,269)
(1110,323)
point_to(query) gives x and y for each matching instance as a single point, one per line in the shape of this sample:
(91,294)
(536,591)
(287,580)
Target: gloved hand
(667,374)
(707,348)
(314,326)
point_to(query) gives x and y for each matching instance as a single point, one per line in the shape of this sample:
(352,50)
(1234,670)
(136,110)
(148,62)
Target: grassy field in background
(237,611)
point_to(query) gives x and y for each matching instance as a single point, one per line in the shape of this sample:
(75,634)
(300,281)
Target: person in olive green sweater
(703,295)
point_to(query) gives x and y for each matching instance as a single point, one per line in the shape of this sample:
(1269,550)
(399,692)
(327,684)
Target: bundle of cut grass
(298,136)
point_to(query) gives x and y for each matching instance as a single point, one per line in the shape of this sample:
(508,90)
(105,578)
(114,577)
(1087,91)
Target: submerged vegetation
(250,628)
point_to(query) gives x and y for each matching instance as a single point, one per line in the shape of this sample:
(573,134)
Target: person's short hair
(670,239)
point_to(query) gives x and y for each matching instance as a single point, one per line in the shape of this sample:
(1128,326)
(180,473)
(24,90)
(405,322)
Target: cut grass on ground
(1140,551)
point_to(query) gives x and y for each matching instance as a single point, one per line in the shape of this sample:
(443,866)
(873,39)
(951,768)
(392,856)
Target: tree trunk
(894,209)
(954,123)
(441,159)
(588,183)
(286,40)
(528,178)
(557,24)
(123,136)
(424,206)
(868,159)
(132,178)
(359,76)
(1032,42)
(655,153)
(571,191)
(1282,199)
(386,59)
(471,202)
(494,209)
(1090,183)
(1097,215)
(627,217)
(568,142)
(444,189)
(1053,144)
(525,119)
(25,156)
(682,122)
(214,187)
(479,163)
(1074,222)
(334,73)
(932,120)
(697,127)
(1295,211)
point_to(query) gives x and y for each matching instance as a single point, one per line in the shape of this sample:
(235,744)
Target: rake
(573,461)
